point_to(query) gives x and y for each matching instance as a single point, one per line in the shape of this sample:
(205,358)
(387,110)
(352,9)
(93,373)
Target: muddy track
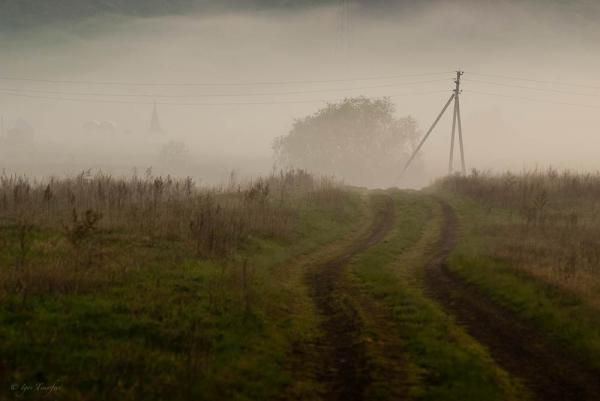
(550,372)
(344,371)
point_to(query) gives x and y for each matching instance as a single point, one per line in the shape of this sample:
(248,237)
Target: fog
(226,83)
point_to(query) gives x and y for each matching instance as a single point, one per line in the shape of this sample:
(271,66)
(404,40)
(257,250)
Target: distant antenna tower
(344,34)
(155,126)
(455,119)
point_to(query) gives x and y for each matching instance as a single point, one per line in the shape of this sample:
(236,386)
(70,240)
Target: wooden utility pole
(455,119)
(460,138)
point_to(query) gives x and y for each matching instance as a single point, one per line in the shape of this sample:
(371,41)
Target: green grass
(561,316)
(160,324)
(171,327)
(443,362)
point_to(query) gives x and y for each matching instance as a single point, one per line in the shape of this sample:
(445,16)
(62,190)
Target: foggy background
(228,79)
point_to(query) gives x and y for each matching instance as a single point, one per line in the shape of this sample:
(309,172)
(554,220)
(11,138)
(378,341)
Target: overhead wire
(467,80)
(532,99)
(104,97)
(159,95)
(531,88)
(548,82)
(216,84)
(116,101)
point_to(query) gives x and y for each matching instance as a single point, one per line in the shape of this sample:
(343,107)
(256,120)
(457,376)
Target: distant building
(91,126)
(100,127)
(109,127)
(173,152)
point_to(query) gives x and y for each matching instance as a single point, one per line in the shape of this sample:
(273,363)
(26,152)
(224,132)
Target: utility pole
(455,120)
(460,138)
(456,117)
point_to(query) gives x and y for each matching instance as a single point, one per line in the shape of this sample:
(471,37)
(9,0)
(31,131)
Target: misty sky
(508,123)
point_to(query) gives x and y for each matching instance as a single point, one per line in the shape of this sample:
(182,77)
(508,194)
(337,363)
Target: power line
(533,99)
(156,95)
(114,101)
(531,88)
(216,84)
(455,119)
(578,85)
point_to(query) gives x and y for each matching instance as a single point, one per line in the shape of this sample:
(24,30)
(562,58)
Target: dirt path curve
(548,371)
(344,370)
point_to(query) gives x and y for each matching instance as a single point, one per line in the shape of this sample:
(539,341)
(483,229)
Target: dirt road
(344,368)
(338,364)
(550,372)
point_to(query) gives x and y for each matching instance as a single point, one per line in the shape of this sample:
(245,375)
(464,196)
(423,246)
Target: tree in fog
(359,140)
(173,152)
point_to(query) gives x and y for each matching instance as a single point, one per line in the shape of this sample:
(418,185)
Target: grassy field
(153,288)
(132,310)
(531,243)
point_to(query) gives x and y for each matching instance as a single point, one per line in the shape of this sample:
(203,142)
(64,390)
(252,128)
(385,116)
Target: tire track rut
(550,372)
(344,371)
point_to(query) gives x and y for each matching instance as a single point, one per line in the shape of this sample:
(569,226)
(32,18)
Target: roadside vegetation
(154,288)
(532,243)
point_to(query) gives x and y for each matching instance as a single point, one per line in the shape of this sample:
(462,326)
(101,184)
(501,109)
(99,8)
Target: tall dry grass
(75,233)
(546,223)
